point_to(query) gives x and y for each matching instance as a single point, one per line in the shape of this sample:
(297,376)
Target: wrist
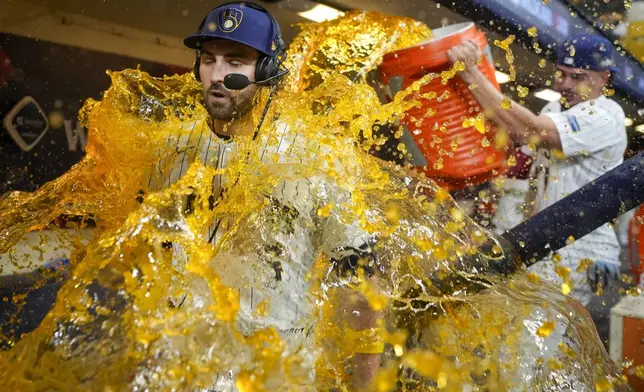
(471,75)
(365,341)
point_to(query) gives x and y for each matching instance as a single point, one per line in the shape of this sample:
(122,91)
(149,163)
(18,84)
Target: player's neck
(229,129)
(596,95)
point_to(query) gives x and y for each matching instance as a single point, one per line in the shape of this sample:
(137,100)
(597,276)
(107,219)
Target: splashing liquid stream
(152,305)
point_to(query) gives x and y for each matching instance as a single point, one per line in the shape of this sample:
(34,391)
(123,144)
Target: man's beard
(232,108)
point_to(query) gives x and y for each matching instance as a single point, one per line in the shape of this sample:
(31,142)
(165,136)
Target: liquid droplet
(566,289)
(546,329)
(609,92)
(325,211)
(512,161)
(572,50)
(584,264)
(532,31)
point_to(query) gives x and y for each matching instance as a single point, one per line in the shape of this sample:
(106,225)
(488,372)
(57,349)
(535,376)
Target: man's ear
(606,77)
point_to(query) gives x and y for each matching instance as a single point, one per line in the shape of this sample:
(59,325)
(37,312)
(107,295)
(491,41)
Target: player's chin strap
(266,107)
(273,85)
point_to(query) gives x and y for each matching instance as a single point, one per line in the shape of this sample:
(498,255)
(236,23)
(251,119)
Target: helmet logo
(230,20)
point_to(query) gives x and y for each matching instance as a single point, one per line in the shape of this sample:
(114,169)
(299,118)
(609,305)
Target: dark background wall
(60,78)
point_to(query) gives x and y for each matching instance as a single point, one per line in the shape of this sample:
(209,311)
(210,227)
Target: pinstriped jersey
(285,286)
(593,140)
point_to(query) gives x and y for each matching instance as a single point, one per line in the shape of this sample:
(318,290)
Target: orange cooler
(463,157)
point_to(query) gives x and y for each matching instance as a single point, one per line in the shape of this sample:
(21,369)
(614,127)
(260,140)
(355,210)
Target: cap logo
(569,61)
(230,19)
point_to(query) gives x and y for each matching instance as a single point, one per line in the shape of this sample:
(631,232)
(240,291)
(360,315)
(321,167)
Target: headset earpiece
(266,68)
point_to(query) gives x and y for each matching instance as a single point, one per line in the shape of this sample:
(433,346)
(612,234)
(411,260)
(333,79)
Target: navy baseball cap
(591,52)
(241,23)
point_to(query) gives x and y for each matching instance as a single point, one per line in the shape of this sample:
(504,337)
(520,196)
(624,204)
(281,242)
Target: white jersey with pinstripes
(593,140)
(289,301)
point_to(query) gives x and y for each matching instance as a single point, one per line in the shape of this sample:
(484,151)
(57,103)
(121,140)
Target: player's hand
(470,54)
(602,273)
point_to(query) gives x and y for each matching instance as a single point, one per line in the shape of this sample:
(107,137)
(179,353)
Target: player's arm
(361,317)
(523,126)
(363,322)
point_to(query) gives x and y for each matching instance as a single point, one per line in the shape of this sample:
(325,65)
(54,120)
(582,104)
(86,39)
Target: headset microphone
(240,82)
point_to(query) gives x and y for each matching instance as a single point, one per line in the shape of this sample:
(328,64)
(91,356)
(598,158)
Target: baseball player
(579,139)
(240,50)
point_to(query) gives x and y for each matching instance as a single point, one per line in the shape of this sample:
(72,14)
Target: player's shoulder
(191,133)
(600,106)
(611,105)
(551,107)
(283,138)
